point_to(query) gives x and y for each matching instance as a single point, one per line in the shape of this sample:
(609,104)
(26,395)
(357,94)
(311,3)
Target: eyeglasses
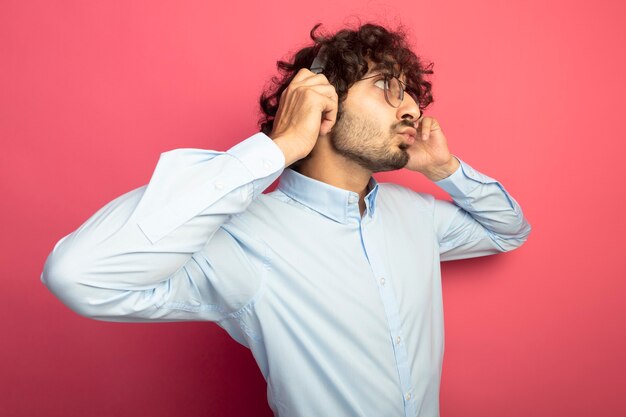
(393,87)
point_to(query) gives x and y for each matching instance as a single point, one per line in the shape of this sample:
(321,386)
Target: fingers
(327,90)
(306,77)
(306,81)
(326,98)
(329,115)
(314,85)
(307,108)
(425,126)
(320,84)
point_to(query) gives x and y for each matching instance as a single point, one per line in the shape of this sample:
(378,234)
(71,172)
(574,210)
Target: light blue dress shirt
(342,312)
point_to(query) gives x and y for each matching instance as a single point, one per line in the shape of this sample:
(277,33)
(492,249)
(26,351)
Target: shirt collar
(335,203)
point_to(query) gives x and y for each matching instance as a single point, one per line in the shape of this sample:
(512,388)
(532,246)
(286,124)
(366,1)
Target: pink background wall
(529,92)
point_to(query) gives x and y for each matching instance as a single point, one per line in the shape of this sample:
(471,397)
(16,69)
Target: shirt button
(407,396)
(382,281)
(219,185)
(398,339)
(352,199)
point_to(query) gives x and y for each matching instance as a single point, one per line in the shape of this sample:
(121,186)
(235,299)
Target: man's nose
(408,109)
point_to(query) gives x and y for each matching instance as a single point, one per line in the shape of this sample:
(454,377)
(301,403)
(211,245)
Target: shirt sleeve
(483,218)
(135,254)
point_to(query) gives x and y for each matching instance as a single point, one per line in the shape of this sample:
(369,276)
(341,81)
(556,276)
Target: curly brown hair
(347,57)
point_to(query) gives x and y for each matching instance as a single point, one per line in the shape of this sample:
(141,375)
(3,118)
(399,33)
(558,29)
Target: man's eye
(382,83)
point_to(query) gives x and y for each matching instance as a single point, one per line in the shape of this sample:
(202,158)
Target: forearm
(502,225)
(143,237)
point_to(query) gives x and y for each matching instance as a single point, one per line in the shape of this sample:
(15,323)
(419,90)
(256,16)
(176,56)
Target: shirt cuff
(463,181)
(262,158)
(259,154)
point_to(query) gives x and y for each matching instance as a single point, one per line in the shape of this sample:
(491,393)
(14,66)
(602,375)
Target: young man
(332,280)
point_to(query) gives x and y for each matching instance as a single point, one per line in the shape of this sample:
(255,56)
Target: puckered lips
(409,135)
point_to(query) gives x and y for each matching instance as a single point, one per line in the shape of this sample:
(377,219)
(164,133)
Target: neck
(326,165)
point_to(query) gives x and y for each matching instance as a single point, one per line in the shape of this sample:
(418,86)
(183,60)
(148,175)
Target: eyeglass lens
(394,92)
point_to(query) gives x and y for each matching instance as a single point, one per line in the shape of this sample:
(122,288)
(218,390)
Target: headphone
(319,62)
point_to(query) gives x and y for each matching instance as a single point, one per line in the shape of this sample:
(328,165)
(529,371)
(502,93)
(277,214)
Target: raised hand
(307,109)
(429,153)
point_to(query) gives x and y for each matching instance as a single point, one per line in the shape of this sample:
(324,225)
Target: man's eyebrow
(380,68)
(377,67)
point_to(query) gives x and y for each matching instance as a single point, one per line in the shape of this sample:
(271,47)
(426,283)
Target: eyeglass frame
(387,77)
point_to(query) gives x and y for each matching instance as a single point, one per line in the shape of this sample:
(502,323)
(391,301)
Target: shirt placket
(372,241)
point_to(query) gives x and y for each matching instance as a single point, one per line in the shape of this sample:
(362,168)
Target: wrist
(290,152)
(443,171)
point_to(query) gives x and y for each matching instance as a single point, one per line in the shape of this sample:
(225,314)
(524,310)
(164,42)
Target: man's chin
(393,165)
